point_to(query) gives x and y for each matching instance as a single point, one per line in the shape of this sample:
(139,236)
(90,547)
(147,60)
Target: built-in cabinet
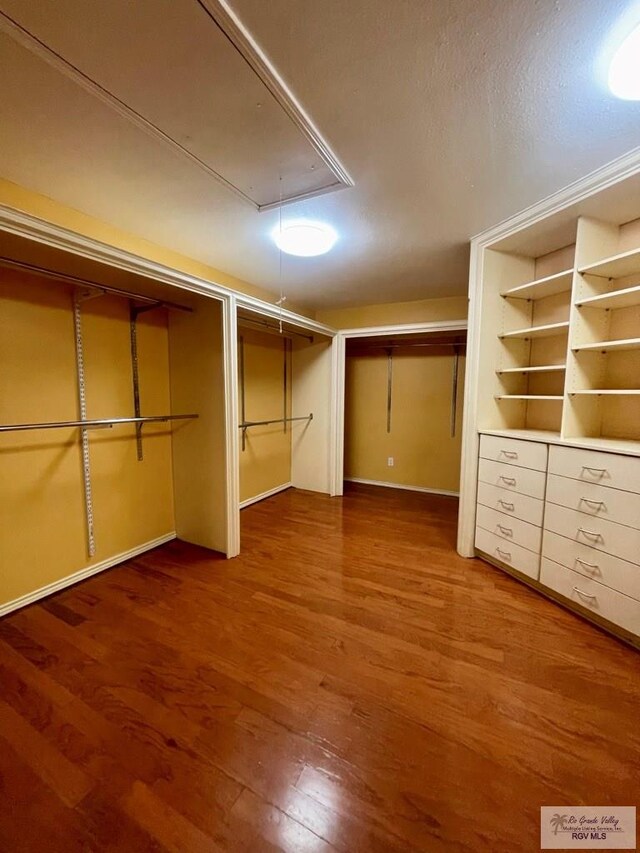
(556,417)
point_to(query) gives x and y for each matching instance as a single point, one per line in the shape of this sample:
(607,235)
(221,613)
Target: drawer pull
(510,481)
(599,472)
(585,594)
(505,554)
(597,537)
(589,566)
(510,454)
(506,531)
(599,504)
(506,505)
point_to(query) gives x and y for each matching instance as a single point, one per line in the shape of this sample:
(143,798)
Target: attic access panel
(187,72)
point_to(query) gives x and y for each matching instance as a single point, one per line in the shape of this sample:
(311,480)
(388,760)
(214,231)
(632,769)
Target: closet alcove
(284,407)
(112,418)
(403,409)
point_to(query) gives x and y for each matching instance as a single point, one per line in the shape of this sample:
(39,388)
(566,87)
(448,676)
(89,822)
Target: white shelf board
(546,331)
(559,282)
(609,346)
(615,445)
(544,368)
(624,298)
(606,392)
(529,397)
(615,266)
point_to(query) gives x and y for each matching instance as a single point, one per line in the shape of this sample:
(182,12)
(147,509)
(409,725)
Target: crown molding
(600,179)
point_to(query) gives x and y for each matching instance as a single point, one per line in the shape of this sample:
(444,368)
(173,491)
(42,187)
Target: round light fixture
(624,70)
(304,238)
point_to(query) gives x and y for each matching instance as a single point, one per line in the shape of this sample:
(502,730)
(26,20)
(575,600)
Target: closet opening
(284,408)
(112,418)
(403,412)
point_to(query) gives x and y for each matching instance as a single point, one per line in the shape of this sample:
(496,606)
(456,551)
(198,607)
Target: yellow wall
(199,446)
(42,518)
(424,453)
(392,313)
(49,210)
(266,461)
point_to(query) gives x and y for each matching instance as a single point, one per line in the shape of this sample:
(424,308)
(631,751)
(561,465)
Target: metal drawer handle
(599,504)
(506,504)
(506,531)
(591,535)
(597,471)
(510,481)
(510,454)
(584,594)
(504,554)
(594,566)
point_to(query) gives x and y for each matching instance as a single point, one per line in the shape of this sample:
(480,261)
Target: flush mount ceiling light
(304,238)
(624,70)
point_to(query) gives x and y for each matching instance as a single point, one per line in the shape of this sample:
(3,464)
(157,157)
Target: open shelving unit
(561,333)
(529,310)
(603,367)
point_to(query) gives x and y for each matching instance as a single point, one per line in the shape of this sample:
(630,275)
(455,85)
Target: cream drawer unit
(592,595)
(591,466)
(526,454)
(513,505)
(510,529)
(525,481)
(598,534)
(513,555)
(595,501)
(611,571)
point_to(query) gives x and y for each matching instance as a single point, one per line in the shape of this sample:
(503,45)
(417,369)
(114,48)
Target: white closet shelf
(615,299)
(544,368)
(609,346)
(529,397)
(617,445)
(546,331)
(610,392)
(559,282)
(615,266)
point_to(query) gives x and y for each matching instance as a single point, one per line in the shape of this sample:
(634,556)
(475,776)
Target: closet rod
(100,422)
(266,325)
(248,424)
(74,279)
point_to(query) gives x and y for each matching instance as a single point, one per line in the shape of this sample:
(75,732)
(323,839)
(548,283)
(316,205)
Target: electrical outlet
(390,462)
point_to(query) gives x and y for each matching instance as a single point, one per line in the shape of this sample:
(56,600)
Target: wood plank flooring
(349,683)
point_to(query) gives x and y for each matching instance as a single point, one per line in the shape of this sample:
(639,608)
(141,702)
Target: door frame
(338,383)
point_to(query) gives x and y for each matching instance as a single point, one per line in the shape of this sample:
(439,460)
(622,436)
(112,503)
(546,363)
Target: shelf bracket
(134,313)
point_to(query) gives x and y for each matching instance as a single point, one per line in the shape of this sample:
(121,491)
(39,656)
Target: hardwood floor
(349,683)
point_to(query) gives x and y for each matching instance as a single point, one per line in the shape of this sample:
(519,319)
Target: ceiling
(447,115)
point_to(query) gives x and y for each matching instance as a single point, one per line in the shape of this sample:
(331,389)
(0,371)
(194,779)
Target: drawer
(514,504)
(593,596)
(612,571)
(519,558)
(600,535)
(513,479)
(527,454)
(596,501)
(509,528)
(591,466)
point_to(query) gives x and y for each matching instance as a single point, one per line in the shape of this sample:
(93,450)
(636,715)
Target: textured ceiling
(449,116)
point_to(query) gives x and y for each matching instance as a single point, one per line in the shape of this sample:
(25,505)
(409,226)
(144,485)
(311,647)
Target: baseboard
(87,572)
(264,495)
(404,488)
